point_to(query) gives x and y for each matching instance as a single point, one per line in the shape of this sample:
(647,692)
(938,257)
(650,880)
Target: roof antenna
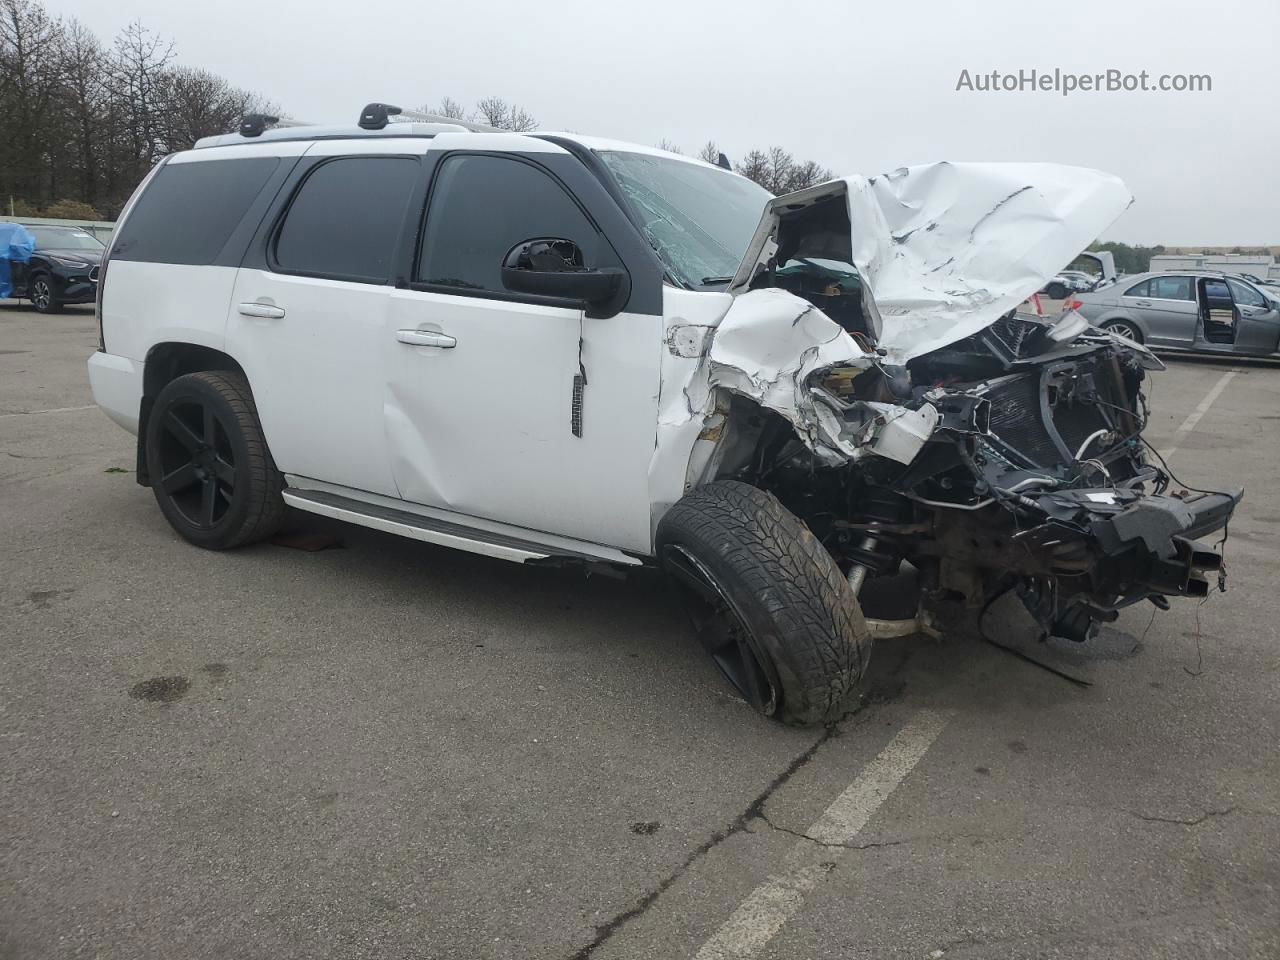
(377,115)
(723,161)
(253,124)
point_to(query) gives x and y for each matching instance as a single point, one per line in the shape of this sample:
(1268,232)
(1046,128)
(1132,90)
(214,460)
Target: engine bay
(1036,478)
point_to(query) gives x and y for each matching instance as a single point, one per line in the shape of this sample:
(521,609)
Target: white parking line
(1193,418)
(32,413)
(760,916)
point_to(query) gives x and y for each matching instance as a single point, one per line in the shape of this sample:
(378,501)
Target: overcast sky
(860,87)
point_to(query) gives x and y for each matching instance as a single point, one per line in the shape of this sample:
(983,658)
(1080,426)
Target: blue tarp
(16,244)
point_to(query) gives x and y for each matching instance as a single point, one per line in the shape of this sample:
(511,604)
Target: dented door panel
(485,428)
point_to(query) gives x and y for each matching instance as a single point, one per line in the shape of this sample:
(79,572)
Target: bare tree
(82,123)
(494,111)
(667,145)
(709,152)
(521,121)
(197,103)
(807,174)
(138,67)
(30,79)
(86,104)
(778,174)
(448,107)
(755,166)
(777,171)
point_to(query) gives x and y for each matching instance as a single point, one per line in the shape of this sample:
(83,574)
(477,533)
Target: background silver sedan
(1195,312)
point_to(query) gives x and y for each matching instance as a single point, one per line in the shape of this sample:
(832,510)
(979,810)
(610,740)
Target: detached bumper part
(1162,531)
(1146,546)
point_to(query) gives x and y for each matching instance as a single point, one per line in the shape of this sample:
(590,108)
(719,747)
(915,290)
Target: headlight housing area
(69,262)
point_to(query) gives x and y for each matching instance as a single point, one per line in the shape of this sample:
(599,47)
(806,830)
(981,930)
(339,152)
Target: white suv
(555,348)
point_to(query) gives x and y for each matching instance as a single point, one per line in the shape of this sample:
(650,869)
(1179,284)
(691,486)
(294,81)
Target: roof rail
(376,119)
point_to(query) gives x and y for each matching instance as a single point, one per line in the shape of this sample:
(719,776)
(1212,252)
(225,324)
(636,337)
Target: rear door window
(1142,289)
(345,220)
(1172,288)
(189,210)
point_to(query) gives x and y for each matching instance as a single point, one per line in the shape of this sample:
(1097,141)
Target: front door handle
(264,310)
(426,338)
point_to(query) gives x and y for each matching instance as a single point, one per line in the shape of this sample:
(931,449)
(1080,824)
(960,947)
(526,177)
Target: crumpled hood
(947,248)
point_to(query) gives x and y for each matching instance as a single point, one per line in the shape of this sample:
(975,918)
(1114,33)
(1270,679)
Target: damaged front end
(1005,461)
(886,392)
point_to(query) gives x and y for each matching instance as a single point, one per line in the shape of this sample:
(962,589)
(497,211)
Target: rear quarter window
(189,210)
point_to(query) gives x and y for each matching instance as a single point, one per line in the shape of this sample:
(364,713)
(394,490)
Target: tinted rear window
(188,212)
(1172,288)
(346,218)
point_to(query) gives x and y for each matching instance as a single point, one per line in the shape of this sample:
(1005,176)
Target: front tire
(44,294)
(769,601)
(210,468)
(1056,291)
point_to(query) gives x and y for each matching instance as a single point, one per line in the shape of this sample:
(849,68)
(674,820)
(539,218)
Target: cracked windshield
(698,218)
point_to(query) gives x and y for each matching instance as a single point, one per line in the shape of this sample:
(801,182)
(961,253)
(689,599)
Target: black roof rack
(375,116)
(254,124)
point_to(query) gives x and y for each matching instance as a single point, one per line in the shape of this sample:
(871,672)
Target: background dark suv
(62,268)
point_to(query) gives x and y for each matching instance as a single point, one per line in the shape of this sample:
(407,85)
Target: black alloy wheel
(208,462)
(723,631)
(197,463)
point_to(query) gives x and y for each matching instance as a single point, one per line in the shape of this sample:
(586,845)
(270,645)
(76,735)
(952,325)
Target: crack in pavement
(740,824)
(874,844)
(1185,822)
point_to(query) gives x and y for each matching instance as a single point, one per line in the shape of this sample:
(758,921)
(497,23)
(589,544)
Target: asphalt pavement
(386,749)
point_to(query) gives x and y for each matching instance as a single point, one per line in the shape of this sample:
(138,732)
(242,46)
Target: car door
(1170,310)
(1258,326)
(307,316)
(1218,315)
(1159,327)
(512,406)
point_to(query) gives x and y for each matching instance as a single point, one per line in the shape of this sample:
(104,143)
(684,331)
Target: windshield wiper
(708,280)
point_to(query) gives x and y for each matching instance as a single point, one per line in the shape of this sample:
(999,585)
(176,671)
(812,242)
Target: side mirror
(553,267)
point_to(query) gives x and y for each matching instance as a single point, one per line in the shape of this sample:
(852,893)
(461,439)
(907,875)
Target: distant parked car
(1059,287)
(1084,282)
(1081,281)
(1198,312)
(62,270)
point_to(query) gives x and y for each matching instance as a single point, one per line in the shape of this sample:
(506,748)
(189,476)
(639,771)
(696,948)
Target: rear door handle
(264,310)
(426,338)
(1144,303)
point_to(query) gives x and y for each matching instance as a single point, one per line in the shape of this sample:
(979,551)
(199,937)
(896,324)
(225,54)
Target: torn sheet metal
(947,248)
(767,347)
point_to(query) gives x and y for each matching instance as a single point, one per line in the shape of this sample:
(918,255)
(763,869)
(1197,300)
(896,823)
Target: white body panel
(483,427)
(317,374)
(117,387)
(150,303)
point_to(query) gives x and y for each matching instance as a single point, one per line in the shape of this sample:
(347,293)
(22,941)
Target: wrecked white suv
(552,348)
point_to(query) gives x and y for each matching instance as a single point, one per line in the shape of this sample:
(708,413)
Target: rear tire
(1125,329)
(1056,291)
(210,468)
(768,592)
